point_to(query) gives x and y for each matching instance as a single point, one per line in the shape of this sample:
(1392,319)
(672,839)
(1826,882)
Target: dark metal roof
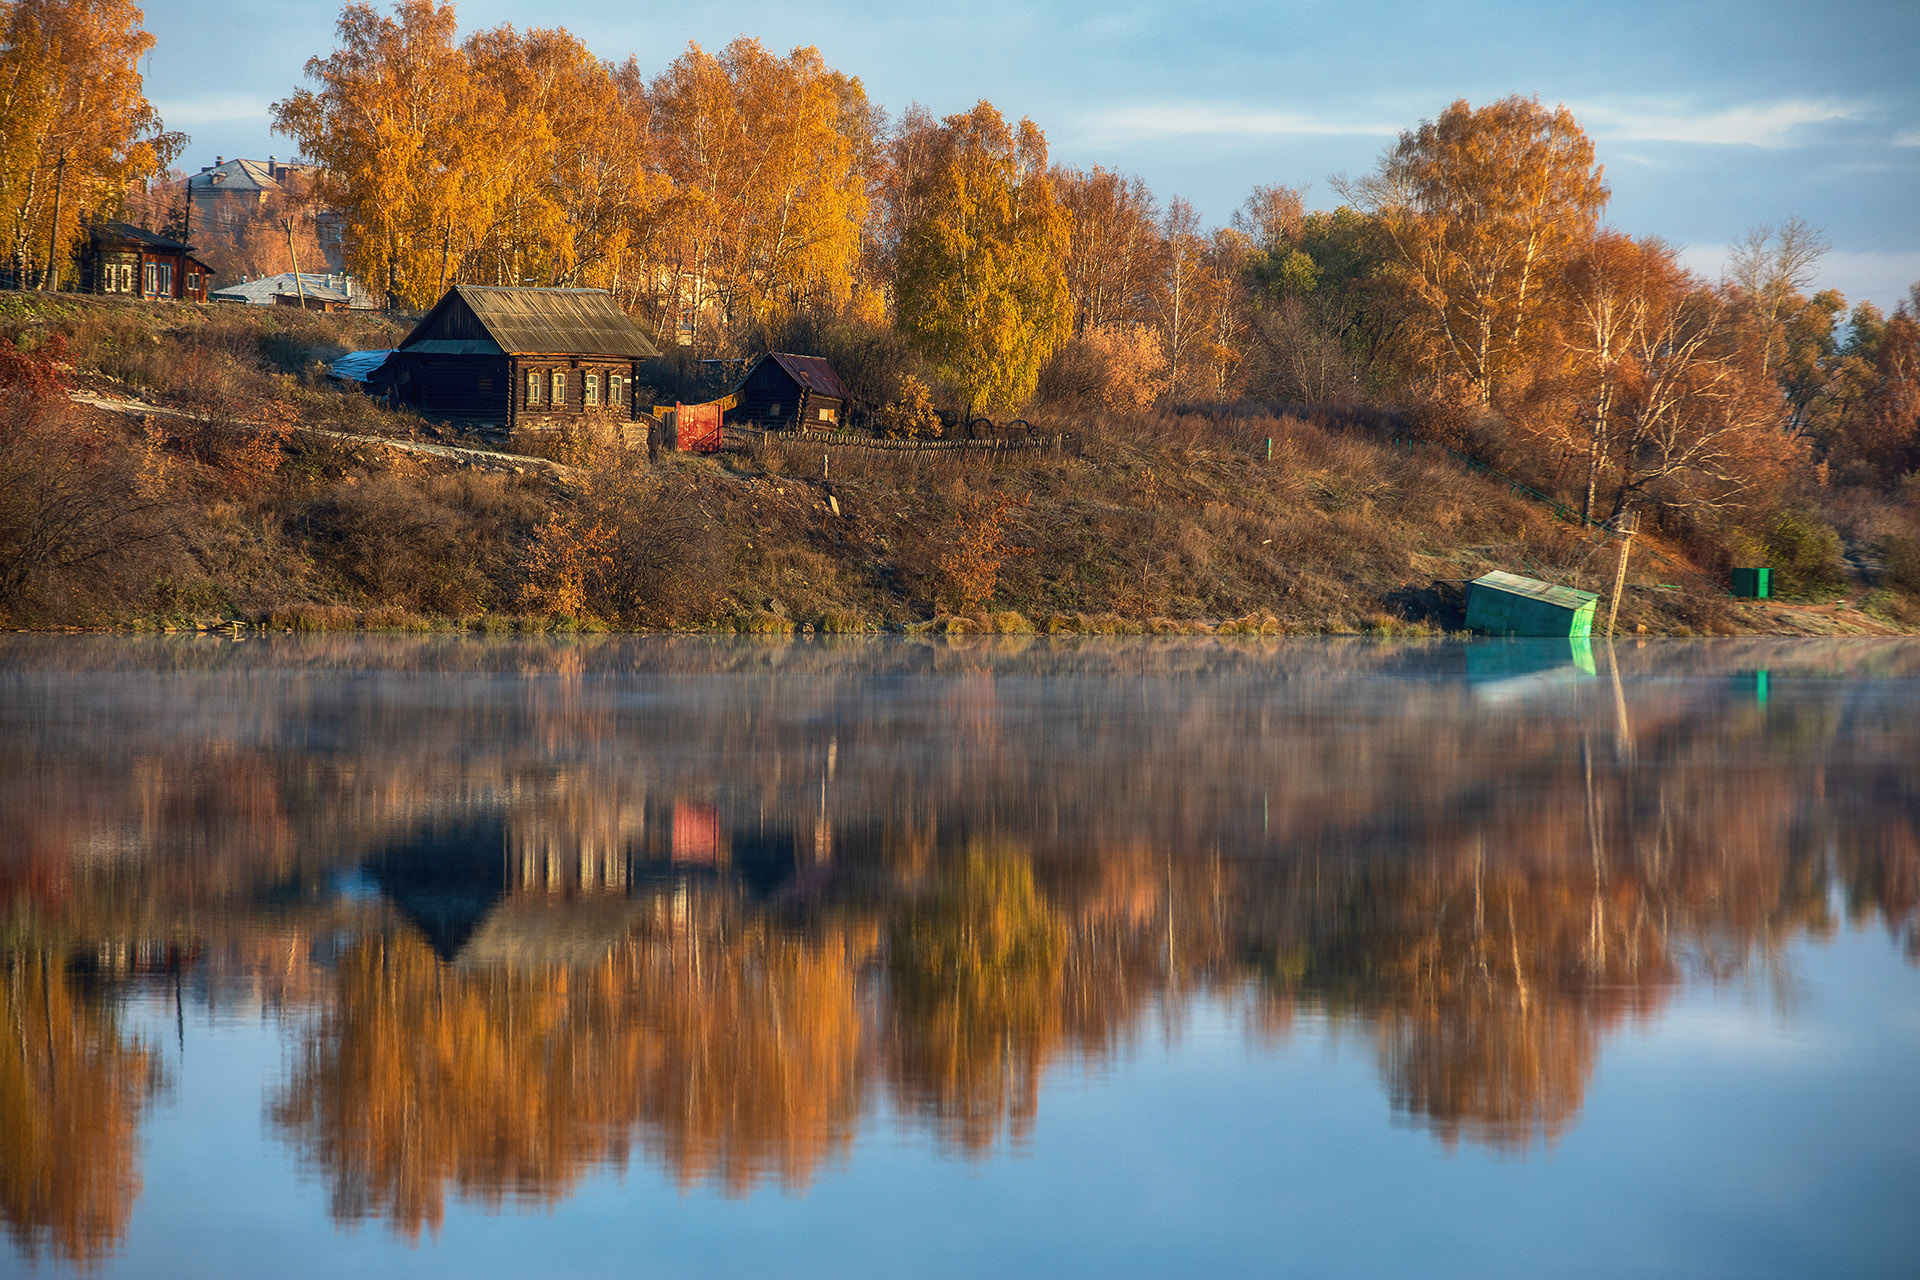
(138,235)
(1533,588)
(811,372)
(584,322)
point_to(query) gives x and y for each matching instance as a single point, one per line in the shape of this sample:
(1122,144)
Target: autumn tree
(767,161)
(568,172)
(1192,301)
(1112,249)
(1270,217)
(1330,309)
(981,285)
(1873,429)
(1767,272)
(1481,205)
(392,126)
(1670,408)
(75,124)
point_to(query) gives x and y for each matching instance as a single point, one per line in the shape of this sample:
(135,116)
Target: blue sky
(1709,117)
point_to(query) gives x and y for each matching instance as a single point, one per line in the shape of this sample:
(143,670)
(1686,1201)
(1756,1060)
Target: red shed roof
(811,372)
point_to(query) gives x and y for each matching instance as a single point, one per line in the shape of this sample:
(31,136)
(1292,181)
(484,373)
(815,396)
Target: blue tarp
(358,366)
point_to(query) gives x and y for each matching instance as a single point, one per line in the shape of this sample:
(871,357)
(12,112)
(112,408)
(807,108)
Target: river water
(679,957)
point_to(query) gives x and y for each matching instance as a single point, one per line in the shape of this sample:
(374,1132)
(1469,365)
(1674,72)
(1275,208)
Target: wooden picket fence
(743,437)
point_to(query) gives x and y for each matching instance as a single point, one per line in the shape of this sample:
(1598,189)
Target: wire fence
(1565,512)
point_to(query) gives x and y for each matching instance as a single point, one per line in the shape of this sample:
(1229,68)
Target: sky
(1710,117)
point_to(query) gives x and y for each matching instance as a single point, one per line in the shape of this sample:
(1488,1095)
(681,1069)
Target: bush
(78,531)
(444,545)
(1804,554)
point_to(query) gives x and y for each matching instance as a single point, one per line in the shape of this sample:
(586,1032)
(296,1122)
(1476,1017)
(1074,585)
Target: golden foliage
(766,161)
(75,125)
(912,415)
(980,543)
(1483,203)
(981,281)
(561,560)
(72,1095)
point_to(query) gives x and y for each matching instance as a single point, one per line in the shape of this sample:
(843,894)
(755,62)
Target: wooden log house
(132,262)
(517,358)
(785,391)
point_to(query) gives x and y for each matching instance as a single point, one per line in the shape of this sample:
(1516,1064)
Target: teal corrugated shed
(1506,604)
(1753,584)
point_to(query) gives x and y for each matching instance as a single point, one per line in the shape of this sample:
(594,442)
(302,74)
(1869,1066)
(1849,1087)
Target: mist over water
(687,956)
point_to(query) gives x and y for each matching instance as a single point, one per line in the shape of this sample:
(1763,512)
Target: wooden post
(1626,526)
(299,287)
(50,282)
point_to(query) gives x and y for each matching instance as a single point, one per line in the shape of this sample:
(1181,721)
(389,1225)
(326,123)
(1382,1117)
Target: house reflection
(585,943)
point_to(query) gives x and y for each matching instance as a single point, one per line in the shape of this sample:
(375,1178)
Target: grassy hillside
(227,501)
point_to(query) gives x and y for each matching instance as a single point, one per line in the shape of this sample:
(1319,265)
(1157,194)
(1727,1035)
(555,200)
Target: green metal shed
(1506,604)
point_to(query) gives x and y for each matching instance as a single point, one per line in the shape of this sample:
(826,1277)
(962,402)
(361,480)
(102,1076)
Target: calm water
(675,957)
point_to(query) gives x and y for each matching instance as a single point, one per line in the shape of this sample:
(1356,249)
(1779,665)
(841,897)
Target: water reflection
(528,911)
(73,1091)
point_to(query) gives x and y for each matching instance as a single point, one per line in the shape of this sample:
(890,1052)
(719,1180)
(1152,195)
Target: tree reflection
(975,969)
(73,1091)
(532,927)
(732,1054)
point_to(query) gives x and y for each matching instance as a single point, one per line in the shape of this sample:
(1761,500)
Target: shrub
(77,528)
(979,543)
(1804,554)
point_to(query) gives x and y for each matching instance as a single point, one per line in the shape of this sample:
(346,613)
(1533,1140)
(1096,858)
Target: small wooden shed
(1506,604)
(536,359)
(785,390)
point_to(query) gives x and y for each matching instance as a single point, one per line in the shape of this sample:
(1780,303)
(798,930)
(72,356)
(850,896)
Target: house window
(533,386)
(826,415)
(593,389)
(559,389)
(166,279)
(616,389)
(150,279)
(125,272)
(773,410)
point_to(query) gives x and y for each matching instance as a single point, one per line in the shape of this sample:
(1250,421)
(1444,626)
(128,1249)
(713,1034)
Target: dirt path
(516,462)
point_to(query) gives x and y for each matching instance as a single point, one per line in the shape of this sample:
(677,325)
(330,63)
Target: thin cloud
(1162,121)
(225,108)
(1907,138)
(1879,277)
(1759,124)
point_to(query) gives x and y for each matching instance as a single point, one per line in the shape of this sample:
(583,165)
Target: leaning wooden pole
(1626,527)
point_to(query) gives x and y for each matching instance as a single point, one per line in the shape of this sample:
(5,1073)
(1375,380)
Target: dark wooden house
(133,262)
(535,359)
(785,391)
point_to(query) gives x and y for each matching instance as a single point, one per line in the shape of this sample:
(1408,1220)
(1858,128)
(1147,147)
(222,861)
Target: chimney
(219,159)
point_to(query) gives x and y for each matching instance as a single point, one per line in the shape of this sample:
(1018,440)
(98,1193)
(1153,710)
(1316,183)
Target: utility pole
(1626,526)
(50,282)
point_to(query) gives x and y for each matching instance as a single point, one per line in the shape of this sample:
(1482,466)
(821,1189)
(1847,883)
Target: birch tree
(982,286)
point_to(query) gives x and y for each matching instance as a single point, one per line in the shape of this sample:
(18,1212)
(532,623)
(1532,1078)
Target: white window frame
(590,396)
(559,398)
